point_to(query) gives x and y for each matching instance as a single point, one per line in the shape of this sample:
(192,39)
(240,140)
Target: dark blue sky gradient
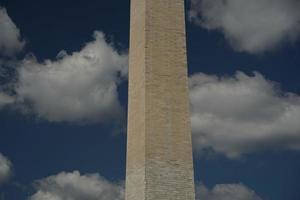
(38,149)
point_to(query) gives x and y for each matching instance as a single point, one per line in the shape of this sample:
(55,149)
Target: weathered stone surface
(159,149)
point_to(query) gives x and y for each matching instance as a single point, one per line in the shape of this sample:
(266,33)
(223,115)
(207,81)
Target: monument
(159,149)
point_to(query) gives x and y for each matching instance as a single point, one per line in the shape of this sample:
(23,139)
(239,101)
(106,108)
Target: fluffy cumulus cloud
(226,192)
(10,39)
(74,186)
(76,87)
(242,114)
(250,26)
(5,169)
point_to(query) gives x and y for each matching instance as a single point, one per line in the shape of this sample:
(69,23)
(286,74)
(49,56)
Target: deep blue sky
(38,149)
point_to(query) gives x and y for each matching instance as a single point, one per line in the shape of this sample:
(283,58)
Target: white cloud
(10,39)
(226,192)
(252,26)
(5,169)
(242,114)
(77,87)
(74,186)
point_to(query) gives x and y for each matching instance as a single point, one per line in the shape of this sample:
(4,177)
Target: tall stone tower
(159,149)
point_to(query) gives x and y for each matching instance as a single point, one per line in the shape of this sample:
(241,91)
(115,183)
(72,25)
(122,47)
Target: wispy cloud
(5,99)
(10,38)
(226,192)
(5,169)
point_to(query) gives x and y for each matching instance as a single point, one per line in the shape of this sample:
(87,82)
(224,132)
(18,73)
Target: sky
(63,98)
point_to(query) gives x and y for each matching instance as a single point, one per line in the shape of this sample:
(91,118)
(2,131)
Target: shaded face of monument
(159,150)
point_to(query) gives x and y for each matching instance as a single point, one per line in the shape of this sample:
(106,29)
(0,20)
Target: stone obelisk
(159,149)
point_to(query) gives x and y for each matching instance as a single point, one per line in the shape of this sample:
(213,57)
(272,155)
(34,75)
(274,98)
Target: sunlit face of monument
(159,149)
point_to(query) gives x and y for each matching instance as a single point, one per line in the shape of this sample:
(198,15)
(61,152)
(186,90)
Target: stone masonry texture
(159,149)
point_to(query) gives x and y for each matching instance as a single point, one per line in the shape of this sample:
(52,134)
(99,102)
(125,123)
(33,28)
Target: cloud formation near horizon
(242,114)
(74,186)
(76,87)
(226,192)
(250,26)
(5,169)
(10,38)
